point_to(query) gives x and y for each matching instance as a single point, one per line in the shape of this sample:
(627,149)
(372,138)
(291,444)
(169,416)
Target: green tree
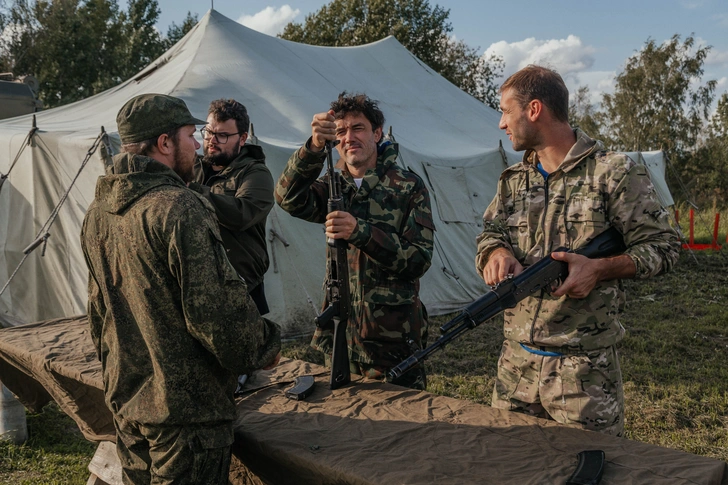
(709,166)
(659,103)
(77,48)
(423,30)
(176,32)
(583,114)
(141,43)
(65,44)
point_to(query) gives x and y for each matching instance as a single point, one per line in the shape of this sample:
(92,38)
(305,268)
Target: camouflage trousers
(583,389)
(173,455)
(414,379)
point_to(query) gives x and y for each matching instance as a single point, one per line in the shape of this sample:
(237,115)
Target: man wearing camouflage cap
(388,225)
(559,359)
(171,320)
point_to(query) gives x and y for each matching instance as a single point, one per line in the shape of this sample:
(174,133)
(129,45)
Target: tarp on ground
(365,433)
(446,136)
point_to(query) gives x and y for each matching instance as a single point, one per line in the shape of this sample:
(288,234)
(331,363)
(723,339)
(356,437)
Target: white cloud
(717,58)
(692,4)
(599,83)
(722,19)
(10,31)
(721,87)
(270,20)
(567,56)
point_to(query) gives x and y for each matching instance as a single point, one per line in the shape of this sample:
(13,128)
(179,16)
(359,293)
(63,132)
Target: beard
(184,164)
(527,138)
(221,159)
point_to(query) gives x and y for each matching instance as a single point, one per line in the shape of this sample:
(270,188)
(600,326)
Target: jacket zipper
(545,243)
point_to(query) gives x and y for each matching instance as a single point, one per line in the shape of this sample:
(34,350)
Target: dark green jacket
(390,249)
(170,318)
(242,195)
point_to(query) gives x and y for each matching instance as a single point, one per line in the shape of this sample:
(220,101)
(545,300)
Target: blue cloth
(543,353)
(543,172)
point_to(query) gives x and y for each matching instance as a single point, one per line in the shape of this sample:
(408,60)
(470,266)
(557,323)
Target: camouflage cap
(149,115)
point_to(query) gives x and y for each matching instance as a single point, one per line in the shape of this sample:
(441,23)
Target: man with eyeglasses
(233,176)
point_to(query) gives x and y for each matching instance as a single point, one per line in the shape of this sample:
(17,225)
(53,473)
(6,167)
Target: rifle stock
(337,285)
(509,292)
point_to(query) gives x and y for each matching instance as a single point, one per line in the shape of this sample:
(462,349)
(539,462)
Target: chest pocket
(224,187)
(519,234)
(586,217)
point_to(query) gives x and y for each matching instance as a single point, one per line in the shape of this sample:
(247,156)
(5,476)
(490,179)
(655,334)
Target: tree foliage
(140,42)
(658,103)
(77,48)
(583,114)
(709,167)
(176,32)
(423,30)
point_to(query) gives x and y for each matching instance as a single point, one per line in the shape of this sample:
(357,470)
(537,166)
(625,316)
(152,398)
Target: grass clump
(56,452)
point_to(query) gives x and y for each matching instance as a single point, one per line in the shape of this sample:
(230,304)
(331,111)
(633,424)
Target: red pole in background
(715,230)
(691,239)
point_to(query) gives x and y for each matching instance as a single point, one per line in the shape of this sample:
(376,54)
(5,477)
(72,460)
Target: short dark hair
(546,85)
(145,147)
(229,109)
(358,103)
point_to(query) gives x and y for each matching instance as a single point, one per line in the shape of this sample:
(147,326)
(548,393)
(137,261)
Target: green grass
(703,224)
(55,454)
(674,359)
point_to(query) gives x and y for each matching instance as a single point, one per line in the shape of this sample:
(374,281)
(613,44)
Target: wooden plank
(105,465)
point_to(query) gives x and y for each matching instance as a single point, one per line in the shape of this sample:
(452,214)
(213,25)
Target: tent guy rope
(44,232)
(26,142)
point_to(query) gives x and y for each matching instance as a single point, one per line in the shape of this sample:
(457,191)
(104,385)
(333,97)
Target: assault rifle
(509,292)
(337,283)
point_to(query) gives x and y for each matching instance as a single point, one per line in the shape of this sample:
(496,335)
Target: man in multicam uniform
(559,358)
(387,223)
(233,177)
(171,319)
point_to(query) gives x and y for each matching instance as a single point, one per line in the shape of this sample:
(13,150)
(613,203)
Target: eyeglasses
(221,138)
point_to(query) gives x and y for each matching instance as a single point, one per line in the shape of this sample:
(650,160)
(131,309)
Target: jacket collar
(385,160)
(583,148)
(248,154)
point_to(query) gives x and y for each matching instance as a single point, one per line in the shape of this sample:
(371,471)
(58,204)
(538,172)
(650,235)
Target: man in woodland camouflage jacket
(387,223)
(170,318)
(559,358)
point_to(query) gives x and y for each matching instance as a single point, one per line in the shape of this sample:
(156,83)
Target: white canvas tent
(446,136)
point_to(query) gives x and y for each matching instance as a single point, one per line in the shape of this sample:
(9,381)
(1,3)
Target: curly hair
(546,85)
(229,109)
(358,103)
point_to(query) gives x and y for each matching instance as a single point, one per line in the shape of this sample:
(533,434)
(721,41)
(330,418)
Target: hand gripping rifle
(337,284)
(509,292)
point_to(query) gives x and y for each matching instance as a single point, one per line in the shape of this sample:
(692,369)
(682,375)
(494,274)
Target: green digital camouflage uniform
(171,321)
(589,192)
(389,250)
(242,195)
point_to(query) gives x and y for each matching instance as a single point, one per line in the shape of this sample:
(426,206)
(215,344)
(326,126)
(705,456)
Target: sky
(588,42)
